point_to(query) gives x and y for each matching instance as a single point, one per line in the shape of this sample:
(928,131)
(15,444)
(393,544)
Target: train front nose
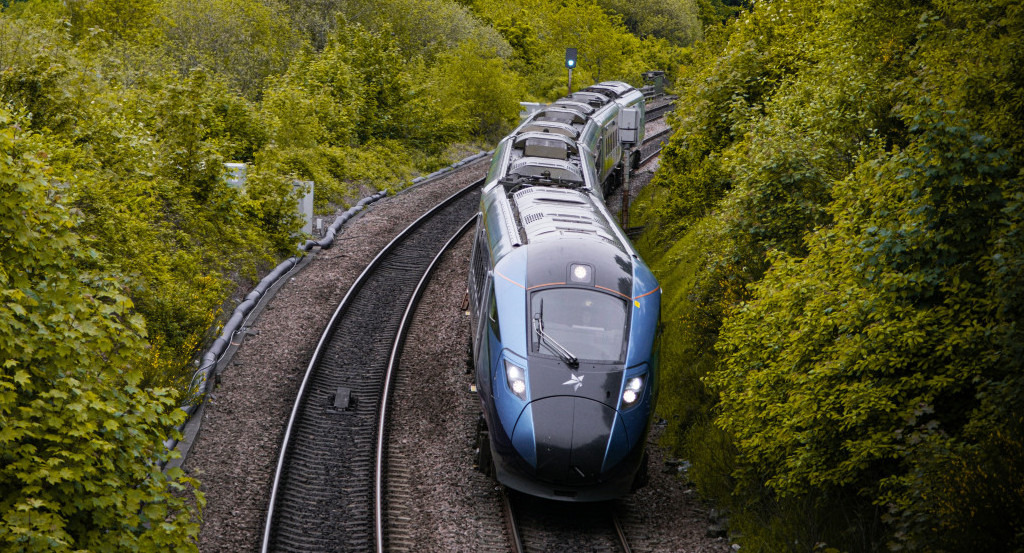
(572,435)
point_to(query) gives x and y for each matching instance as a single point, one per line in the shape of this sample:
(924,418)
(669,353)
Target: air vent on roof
(532,217)
(562,115)
(551,127)
(546,169)
(546,147)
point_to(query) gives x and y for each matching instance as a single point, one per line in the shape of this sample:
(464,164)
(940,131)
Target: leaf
(22,377)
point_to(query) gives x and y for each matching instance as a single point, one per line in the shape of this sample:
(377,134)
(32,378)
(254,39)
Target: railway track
(324,486)
(538,525)
(652,146)
(329,491)
(390,375)
(658,111)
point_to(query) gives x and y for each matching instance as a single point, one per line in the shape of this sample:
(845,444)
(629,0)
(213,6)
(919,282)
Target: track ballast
(323,494)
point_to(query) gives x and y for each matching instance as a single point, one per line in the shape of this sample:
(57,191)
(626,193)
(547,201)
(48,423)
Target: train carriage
(565,314)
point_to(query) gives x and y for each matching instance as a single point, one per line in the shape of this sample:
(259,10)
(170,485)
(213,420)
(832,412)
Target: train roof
(612,89)
(543,185)
(542,151)
(527,215)
(547,214)
(551,264)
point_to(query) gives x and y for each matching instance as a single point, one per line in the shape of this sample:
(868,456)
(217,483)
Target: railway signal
(570,63)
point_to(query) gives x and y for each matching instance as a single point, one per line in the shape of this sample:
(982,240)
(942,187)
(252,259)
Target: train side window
(611,135)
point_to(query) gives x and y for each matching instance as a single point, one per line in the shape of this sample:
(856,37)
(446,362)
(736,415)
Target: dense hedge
(81,441)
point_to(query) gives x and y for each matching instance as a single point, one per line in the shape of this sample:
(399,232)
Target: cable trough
(323,493)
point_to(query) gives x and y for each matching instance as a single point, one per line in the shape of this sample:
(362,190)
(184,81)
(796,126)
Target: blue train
(565,314)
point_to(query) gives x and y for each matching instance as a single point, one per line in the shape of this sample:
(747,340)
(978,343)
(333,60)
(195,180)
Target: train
(565,315)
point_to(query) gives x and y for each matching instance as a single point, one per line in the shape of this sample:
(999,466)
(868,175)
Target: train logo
(574,381)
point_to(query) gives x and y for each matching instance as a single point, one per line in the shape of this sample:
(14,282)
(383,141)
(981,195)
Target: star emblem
(575,381)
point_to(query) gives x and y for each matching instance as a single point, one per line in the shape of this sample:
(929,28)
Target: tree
(80,443)
(675,20)
(482,87)
(245,40)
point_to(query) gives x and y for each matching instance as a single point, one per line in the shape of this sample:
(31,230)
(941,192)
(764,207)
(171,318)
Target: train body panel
(565,314)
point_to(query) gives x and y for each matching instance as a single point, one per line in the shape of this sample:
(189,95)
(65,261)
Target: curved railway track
(658,111)
(323,487)
(396,352)
(329,486)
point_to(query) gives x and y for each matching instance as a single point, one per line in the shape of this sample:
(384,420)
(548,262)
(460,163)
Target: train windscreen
(582,323)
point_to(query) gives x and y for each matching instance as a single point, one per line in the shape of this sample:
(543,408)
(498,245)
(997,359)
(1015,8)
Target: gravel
(442,503)
(236,451)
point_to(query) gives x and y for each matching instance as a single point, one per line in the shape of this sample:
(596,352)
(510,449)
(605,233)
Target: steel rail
(660,111)
(396,354)
(621,533)
(510,521)
(645,160)
(325,338)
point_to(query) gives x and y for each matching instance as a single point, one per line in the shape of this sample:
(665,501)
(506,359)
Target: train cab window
(591,325)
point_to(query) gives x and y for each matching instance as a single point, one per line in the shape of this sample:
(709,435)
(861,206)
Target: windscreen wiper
(547,340)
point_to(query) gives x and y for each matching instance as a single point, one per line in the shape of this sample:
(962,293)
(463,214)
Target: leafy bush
(832,224)
(675,20)
(80,440)
(242,40)
(480,88)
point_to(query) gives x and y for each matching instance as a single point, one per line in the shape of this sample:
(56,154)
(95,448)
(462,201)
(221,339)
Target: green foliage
(837,223)
(675,20)
(358,114)
(243,40)
(431,27)
(539,33)
(716,12)
(601,38)
(481,88)
(80,440)
(419,27)
(118,19)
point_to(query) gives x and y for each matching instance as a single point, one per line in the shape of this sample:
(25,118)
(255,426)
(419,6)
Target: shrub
(81,440)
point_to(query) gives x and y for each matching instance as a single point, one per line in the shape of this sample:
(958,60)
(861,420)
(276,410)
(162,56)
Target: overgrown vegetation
(121,241)
(80,438)
(837,225)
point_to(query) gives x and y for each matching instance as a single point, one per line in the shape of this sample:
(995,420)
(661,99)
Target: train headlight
(516,377)
(634,389)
